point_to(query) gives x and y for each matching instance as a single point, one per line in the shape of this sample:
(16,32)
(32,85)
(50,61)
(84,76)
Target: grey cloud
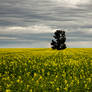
(25,13)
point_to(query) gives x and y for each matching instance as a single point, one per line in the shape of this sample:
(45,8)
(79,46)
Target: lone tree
(59,42)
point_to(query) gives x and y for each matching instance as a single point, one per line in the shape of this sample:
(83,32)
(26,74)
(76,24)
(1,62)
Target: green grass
(46,70)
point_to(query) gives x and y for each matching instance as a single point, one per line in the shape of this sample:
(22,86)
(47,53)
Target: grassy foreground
(46,70)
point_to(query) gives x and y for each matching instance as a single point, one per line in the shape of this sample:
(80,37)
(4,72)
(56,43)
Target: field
(46,70)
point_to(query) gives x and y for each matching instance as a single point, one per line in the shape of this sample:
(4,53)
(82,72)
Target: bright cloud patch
(28,29)
(82,44)
(71,3)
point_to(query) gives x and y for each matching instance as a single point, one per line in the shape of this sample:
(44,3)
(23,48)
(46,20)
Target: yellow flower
(19,77)
(56,76)
(66,89)
(28,86)
(65,81)
(78,82)
(30,90)
(89,80)
(48,73)
(80,76)
(45,64)
(72,82)
(8,85)
(85,85)
(57,89)
(35,74)
(8,90)
(37,82)
(28,73)
(18,80)
(67,85)
(32,79)
(0,74)
(40,77)
(43,70)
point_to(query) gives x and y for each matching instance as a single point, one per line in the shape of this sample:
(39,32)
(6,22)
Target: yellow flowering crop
(46,70)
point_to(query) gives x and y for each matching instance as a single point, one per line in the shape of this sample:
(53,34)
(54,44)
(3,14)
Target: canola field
(46,70)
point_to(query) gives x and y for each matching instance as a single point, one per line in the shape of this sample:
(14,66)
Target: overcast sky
(31,23)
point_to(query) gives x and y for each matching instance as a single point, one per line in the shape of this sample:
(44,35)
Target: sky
(32,23)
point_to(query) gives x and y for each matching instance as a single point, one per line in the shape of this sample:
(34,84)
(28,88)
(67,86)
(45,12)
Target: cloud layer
(71,3)
(28,23)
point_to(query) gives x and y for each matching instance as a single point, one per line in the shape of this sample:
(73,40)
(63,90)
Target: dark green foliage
(60,39)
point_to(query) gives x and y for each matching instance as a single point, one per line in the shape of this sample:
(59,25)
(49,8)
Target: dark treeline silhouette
(59,42)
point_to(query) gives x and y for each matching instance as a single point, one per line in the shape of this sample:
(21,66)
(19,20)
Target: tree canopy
(59,40)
